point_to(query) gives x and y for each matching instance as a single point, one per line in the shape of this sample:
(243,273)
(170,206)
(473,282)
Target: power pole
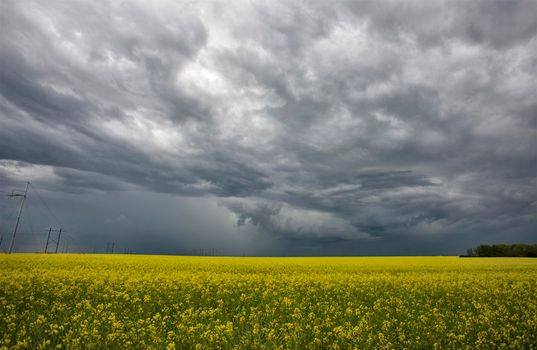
(19,215)
(50,231)
(58,241)
(48,239)
(113,244)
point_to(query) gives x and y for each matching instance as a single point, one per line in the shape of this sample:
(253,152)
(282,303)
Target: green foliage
(504,250)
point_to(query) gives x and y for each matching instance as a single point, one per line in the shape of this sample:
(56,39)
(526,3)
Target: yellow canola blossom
(164,302)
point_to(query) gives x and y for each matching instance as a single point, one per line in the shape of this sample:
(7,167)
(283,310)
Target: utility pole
(19,215)
(113,244)
(50,230)
(58,241)
(48,239)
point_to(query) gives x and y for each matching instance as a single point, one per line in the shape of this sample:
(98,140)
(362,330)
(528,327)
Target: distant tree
(471,252)
(503,250)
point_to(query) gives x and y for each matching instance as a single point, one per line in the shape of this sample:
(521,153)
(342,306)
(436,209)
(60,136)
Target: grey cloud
(501,23)
(312,124)
(292,223)
(392,179)
(76,181)
(497,23)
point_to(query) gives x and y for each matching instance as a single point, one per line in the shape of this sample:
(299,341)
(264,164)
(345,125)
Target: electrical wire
(6,220)
(27,225)
(46,205)
(29,215)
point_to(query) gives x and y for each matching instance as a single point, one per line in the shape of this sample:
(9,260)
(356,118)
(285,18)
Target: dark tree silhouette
(504,250)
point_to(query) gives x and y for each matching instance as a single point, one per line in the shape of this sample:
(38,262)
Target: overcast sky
(267,127)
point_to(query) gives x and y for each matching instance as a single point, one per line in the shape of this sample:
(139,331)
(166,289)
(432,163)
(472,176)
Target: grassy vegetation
(113,301)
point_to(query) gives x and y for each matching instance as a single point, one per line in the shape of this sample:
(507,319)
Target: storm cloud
(297,127)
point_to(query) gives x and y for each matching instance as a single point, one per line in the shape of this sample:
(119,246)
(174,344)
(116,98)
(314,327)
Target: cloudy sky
(270,128)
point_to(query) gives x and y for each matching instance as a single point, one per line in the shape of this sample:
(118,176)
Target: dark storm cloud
(318,124)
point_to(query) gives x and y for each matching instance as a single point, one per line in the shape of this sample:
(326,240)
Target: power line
(58,240)
(28,214)
(62,233)
(46,206)
(18,216)
(6,220)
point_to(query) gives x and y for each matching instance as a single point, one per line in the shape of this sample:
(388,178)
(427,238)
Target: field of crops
(114,301)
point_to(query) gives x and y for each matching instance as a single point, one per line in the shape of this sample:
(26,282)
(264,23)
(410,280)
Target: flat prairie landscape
(166,302)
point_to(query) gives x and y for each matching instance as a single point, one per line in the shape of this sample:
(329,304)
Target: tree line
(504,250)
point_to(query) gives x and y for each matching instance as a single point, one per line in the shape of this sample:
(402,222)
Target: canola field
(164,302)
